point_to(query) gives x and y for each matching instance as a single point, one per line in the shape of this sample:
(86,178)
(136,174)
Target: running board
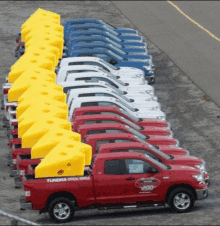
(131,206)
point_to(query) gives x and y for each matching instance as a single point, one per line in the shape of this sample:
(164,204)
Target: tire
(185,204)
(151,81)
(59,204)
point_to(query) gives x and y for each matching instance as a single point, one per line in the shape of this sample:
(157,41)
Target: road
(194,51)
(193,119)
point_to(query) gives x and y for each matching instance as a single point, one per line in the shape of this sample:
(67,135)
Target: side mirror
(152,170)
(113,62)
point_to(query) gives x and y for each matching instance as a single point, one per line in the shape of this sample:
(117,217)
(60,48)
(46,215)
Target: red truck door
(127,181)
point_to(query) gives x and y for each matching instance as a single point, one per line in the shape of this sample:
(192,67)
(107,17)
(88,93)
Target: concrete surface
(193,50)
(193,119)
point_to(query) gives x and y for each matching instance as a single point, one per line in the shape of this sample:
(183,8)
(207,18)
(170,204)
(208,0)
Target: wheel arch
(182,185)
(61,194)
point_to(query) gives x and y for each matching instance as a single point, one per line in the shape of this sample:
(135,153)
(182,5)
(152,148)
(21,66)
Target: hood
(146,113)
(187,160)
(140,103)
(177,169)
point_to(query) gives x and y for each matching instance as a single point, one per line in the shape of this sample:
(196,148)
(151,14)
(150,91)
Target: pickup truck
(110,101)
(102,28)
(131,84)
(123,53)
(114,59)
(96,61)
(94,31)
(137,102)
(138,46)
(147,182)
(116,119)
(65,71)
(81,21)
(110,110)
(97,139)
(105,40)
(67,87)
(87,21)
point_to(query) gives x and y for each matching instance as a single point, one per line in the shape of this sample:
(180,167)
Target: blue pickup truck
(81,21)
(121,38)
(117,60)
(89,26)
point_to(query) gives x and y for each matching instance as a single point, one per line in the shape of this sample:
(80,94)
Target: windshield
(122,96)
(112,87)
(118,50)
(135,132)
(153,148)
(125,104)
(115,55)
(112,77)
(161,165)
(109,65)
(130,123)
(129,115)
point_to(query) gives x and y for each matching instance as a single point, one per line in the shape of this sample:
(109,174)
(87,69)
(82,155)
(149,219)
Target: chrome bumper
(18,182)
(25,205)
(202,193)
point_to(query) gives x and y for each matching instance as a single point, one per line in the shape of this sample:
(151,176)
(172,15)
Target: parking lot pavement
(194,121)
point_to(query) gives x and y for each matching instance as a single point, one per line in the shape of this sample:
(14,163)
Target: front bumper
(24,204)
(202,193)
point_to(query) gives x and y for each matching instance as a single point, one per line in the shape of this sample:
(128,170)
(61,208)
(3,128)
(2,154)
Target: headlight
(22,172)
(27,193)
(199,178)
(171,134)
(177,143)
(14,161)
(156,108)
(151,92)
(139,76)
(187,152)
(201,167)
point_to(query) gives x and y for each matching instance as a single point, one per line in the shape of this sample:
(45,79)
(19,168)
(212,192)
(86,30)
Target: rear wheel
(181,200)
(61,210)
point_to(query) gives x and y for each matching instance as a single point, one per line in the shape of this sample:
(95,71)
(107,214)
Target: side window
(89,122)
(137,166)
(83,78)
(121,140)
(97,64)
(120,150)
(113,131)
(75,63)
(98,131)
(100,142)
(115,167)
(86,104)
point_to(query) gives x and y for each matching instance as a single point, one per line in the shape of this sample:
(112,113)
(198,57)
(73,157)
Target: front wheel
(181,200)
(61,210)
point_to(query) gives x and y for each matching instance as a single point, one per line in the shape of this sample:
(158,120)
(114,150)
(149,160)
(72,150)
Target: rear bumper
(202,193)
(25,205)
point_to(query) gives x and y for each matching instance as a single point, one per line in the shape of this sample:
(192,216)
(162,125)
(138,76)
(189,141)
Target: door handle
(147,180)
(130,178)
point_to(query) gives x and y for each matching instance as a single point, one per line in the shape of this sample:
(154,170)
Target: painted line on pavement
(194,22)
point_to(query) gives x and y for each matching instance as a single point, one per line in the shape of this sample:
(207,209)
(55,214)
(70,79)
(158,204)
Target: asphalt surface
(194,120)
(193,50)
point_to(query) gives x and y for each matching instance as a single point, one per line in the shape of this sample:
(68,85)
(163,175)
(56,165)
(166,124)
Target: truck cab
(130,84)
(110,110)
(95,31)
(123,53)
(140,148)
(110,101)
(66,70)
(96,140)
(90,92)
(116,119)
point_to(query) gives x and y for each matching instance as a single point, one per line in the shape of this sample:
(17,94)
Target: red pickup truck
(118,111)
(101,118)
(97,139)
(116,180)
(99,128)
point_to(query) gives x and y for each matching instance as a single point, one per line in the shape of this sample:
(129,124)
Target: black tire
(188,201)
(151,81)
(61,202)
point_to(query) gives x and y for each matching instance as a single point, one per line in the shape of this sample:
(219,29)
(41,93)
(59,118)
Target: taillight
(5,90)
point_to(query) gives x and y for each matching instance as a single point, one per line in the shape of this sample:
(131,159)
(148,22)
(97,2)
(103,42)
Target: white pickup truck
(108,92)
(96,61)
(132,85)
(65,71)
(111,101)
